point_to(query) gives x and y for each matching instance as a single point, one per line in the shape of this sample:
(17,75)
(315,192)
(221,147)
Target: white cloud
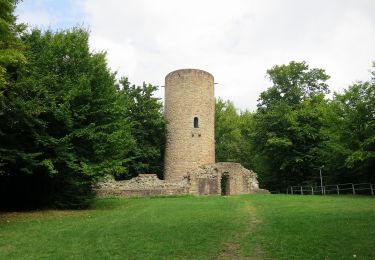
(237,40)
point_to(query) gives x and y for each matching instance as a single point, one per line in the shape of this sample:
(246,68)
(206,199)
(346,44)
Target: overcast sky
(235,40)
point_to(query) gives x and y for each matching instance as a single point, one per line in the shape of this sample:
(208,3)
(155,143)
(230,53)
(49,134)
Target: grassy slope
(276,227)
(147,228)
(313,227)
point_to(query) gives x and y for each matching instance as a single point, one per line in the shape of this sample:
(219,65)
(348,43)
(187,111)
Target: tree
(227,132)
(292,84)
(11,60)
(11,48)
(350,150)
(63,126)
(287,132)
(145,114)
(233,133)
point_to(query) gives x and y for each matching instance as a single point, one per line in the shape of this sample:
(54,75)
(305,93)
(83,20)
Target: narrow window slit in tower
(196,122)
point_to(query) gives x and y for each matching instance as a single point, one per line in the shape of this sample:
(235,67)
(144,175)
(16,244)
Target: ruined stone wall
(189,93)
(206,180)
(241,180)
(142,185)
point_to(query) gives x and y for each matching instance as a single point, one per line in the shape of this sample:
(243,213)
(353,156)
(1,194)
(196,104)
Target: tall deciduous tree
(11,48)
(227,132)
(350,150)
(63,126)
(287,134)
(11,61)
(144,112)
(233,134)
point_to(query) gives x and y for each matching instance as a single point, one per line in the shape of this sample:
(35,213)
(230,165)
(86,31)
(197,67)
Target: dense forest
(66,120)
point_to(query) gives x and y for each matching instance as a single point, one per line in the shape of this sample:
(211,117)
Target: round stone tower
(190,115)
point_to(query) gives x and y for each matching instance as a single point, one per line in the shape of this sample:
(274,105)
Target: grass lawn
(313,227)
(256,226)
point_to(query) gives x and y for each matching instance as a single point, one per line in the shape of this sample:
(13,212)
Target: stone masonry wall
(142,185)
(206,180)
(189,93)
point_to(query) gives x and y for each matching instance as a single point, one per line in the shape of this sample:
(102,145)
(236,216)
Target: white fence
(343,188)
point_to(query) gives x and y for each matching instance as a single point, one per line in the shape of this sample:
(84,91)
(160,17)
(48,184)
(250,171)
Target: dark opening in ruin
(196,122)
(224,185)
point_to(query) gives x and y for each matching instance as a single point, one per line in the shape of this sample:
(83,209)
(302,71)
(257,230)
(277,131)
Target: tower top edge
(188,71)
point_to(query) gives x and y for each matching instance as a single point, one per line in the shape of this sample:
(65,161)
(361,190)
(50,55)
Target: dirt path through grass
(232,249)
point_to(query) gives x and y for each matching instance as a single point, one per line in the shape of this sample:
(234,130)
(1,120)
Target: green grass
(263,226)
(143,228)
(313,227)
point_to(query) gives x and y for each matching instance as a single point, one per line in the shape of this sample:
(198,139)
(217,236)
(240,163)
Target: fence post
(312,190)
(353,189)
(301,191)
(291,190)
(372,190)
(324,190)
(338,189)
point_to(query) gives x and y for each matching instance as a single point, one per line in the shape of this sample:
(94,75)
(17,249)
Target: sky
(235,40)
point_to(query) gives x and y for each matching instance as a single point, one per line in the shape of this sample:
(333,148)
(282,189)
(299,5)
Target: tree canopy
(65,119)
(297,129)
